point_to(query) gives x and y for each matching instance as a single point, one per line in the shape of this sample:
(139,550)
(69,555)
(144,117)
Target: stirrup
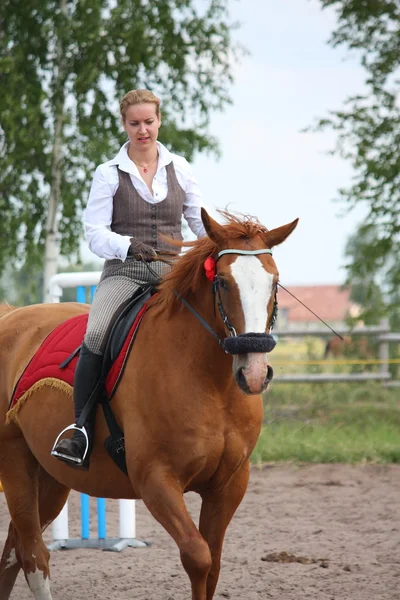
(66,457)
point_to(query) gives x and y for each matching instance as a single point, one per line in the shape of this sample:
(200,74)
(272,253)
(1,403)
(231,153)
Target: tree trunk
(51,242)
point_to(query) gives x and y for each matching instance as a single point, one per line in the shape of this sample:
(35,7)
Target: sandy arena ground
(324,532)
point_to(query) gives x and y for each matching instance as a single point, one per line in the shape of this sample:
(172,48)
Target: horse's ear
(213,229)
(277,236)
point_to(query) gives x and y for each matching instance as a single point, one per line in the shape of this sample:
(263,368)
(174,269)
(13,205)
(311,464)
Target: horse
(191,412)
(357,347)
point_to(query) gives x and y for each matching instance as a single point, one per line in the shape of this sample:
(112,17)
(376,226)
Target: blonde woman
(138,195)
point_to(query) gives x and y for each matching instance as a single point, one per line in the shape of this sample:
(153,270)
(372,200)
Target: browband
(245,252)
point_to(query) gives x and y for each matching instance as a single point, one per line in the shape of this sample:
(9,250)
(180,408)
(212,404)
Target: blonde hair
(138,97)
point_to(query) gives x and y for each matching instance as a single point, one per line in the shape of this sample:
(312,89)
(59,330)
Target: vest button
(153,216)
(154,235)
(154,226)
(153,207)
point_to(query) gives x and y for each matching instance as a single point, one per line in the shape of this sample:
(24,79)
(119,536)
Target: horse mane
(187,276)
(5,309)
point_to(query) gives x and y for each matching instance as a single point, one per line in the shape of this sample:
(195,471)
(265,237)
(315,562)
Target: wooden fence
(381,334)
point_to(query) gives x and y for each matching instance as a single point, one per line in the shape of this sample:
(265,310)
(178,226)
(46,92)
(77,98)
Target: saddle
(124,330)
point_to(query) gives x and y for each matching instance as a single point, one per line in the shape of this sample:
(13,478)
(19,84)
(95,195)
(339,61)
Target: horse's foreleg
(163,496)
(20,478)
(52,497)
(217,510)
(9,566)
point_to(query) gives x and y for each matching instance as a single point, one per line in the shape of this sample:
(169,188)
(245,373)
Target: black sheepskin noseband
(249,342)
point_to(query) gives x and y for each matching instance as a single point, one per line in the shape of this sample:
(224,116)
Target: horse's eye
(223,284)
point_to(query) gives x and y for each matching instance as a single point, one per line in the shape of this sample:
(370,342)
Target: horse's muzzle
(252,372)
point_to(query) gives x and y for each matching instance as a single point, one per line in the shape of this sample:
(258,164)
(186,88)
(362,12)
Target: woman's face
(142,125)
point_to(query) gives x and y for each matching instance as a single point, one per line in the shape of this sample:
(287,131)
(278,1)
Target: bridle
(235,344)
(242,343)
(217,292)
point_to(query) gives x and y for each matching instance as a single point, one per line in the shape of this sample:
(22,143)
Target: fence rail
(380,332)
(327,377)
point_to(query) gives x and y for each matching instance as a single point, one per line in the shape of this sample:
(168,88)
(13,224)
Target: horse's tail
(327,349)
(5,309)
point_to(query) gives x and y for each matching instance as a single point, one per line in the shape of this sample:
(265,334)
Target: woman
(135,197)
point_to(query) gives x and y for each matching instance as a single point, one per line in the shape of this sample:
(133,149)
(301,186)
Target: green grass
(328,423)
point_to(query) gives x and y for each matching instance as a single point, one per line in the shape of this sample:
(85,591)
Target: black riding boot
(87,375)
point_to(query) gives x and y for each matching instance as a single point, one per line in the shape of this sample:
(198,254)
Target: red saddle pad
(58,346)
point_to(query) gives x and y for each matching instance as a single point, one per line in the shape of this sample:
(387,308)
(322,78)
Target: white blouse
(98,214)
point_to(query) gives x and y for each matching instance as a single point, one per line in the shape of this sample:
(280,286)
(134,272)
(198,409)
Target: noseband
(245,342)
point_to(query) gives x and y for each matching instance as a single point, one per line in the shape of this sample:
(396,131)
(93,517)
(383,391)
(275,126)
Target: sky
(269,168)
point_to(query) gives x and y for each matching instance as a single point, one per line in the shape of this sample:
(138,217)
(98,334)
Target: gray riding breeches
(118,282)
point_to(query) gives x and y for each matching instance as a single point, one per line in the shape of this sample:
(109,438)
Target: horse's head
(245,286)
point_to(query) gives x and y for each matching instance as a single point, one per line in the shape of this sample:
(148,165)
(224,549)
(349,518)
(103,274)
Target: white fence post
(384,348)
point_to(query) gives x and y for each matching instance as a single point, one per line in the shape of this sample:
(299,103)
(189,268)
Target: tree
(367,289)
(364,287)
(63,66)
(368,130)
(21,287)
(24,286)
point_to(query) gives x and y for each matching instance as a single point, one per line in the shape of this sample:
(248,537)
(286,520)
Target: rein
(202,321)
(311,311)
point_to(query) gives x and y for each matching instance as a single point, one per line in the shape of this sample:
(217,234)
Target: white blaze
(255,288)
(39,585)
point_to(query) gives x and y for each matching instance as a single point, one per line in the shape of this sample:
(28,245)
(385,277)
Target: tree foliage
(64,64)
(24,286)
(368,128)
(365,290)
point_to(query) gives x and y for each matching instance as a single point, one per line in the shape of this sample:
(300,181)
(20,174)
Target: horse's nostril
(241,380)
(270,374)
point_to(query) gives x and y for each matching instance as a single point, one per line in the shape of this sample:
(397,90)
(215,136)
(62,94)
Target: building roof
(330,302)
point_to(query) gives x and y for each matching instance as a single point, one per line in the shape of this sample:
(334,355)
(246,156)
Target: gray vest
(138,218)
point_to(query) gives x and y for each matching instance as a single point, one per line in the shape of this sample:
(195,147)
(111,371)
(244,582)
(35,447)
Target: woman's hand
(141,251)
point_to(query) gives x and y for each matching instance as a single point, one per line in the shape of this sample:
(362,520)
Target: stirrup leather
(67,457)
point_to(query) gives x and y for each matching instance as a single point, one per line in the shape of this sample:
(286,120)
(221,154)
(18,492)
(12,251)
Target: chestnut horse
(191,413)
(348,347)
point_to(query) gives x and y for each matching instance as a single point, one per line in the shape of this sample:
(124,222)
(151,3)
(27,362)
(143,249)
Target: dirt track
(323,532)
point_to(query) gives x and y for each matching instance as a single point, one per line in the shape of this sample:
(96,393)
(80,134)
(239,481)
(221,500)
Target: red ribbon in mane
(210,267)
